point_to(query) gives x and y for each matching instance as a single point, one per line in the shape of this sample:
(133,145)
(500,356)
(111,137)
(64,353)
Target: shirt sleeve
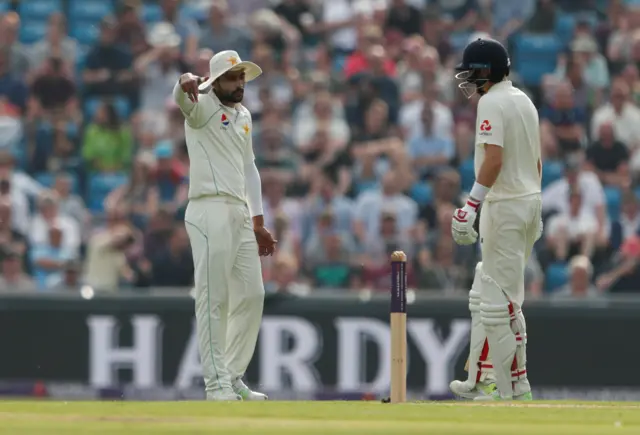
(592,185)
(489,123)
(182,100)
(253,184)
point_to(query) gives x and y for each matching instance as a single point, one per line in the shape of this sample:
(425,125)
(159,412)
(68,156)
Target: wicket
(398,327)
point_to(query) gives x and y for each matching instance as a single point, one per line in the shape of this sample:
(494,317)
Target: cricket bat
(476,226)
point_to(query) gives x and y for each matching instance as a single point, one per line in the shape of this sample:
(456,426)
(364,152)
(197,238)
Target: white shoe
(245,392)
(223,395)
(496,397)
(463,389)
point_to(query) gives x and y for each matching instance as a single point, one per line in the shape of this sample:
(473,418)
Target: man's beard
(231,97)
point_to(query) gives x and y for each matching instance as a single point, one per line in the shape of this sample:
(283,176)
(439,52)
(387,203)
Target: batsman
(508,171)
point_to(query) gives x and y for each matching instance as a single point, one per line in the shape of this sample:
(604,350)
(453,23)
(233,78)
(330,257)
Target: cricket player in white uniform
(508,185)
(225,223)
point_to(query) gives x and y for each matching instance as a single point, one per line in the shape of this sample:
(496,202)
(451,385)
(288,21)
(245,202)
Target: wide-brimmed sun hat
(164,35)
(226,61)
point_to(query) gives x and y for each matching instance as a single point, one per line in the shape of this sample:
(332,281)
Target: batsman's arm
(489,134)
(490,168)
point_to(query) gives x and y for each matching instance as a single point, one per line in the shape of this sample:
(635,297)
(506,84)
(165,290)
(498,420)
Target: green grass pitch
(438,418)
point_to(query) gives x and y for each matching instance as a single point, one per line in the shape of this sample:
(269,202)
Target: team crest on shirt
(224,120)
(485,128)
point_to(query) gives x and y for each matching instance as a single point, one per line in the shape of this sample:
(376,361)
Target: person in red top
(358,61)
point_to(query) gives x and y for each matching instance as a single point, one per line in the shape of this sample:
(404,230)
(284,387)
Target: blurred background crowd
(364,144)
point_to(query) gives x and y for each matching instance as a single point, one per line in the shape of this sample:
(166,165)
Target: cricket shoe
(496,397)
(245,392)
(223,395)
(463,390)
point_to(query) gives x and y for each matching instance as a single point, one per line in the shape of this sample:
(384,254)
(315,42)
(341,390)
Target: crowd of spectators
(364,144)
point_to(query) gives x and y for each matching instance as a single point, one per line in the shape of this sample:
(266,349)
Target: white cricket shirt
(507,118)
(219,144)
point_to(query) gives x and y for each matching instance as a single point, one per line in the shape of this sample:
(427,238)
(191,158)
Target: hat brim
(166,41)
(251,70)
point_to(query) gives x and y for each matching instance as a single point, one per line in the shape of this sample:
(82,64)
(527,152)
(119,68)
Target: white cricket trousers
(228,287)
(508,231)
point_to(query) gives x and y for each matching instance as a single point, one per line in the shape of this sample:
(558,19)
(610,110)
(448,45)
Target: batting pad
(496,318)
(480,367)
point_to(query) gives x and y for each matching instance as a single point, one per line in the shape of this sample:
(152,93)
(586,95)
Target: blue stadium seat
(32,31)
(81,60)
(121,105)
(100,185)
(565,24)
(47,179)
(151,13)
(38,9)
(338,63)
(613,197)
(86,32)
(459,40)
(556,276)
(535,56)
(422,193)
(89,10)
(191,12)
(552,170)
(363,186)
(467,175)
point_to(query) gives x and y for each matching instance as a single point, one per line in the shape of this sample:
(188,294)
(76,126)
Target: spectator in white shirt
(323,117)
(275,202)
(622,113)
(160,67)
(56,43)
(71,204)
(48,216)
(411,116)
(572,232)
(370,205)
(19,180)
(338,21)
(20,215)
(13,277)
(555,197)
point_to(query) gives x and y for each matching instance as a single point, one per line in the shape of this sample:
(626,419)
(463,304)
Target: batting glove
(462,223)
